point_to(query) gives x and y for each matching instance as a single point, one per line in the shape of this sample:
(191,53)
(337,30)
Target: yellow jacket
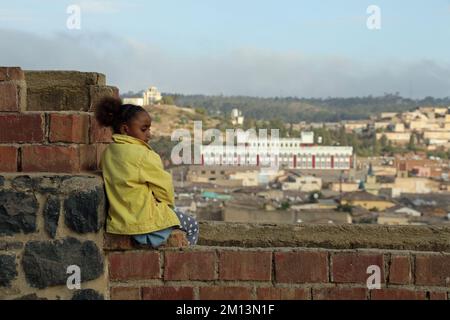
(139,191)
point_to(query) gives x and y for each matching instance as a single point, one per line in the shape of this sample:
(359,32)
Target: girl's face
(138,127)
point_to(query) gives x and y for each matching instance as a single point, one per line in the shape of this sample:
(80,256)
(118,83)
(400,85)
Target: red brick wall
(47,141)
(273,273)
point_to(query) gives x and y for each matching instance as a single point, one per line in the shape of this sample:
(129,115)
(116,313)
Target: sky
(303,48)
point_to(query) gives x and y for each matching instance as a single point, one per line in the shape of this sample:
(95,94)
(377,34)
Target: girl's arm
(160,181)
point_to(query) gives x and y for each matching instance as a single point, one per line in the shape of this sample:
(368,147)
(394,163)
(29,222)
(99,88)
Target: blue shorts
(188,224)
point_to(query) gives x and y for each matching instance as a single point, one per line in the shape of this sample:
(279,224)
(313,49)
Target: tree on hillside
(383,142)
(167,100)
(201,111)
(412,142)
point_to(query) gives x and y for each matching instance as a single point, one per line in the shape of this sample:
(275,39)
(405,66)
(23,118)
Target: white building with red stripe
(293,153)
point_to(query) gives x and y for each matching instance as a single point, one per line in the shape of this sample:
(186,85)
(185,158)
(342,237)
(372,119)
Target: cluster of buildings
(296,180)
(407,189)
(427,126)
(290,196)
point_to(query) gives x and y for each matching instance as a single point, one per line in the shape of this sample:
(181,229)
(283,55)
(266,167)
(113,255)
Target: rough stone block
(87,294)
(47,184)
(47,99)
(8,271)
(60,90)
(22,183)
(82,210)
(43,78)
(45,262)
(51,215)
(17,212)
(98,92)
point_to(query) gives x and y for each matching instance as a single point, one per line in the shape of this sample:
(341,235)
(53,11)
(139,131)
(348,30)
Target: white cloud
(132,66)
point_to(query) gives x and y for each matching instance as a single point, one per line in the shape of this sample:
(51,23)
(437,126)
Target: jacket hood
(124,139)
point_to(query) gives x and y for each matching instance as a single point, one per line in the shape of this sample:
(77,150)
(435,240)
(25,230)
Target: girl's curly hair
(110,112)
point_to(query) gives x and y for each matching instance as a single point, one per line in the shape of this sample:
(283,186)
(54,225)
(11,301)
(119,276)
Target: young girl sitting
(139,191)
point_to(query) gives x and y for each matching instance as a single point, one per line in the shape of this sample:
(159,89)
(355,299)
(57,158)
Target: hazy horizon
(262,48)
(137,95)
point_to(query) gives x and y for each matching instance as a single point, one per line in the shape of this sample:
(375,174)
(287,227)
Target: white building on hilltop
(152,96)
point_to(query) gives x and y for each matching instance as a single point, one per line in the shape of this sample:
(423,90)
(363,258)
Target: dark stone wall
(48,223)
